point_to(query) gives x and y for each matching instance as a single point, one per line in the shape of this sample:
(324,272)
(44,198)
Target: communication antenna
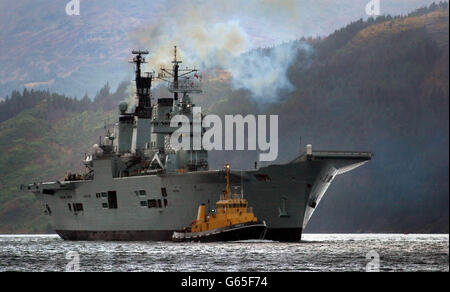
(180,80)
(138,60)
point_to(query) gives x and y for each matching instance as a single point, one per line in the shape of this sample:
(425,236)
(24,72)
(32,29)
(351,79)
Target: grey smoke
(213,37)
(264,72)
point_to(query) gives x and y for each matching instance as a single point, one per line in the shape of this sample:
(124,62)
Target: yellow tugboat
(232,220)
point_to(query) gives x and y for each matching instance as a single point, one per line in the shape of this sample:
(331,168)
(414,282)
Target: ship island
(138,187)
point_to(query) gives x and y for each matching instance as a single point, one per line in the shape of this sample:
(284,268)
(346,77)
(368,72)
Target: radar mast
(181,80)
(143,85)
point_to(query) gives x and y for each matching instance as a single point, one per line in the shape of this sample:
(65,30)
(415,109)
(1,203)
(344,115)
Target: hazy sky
(269,22)
(40,43)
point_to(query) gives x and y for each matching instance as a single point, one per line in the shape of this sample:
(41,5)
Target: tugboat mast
(227,194)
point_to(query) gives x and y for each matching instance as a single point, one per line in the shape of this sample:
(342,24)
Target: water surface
(316,252)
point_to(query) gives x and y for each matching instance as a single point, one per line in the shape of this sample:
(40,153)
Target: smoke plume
(221,35)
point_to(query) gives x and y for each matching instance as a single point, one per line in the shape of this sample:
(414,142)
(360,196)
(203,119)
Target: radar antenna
(138,60)
(143,85)
(181,80)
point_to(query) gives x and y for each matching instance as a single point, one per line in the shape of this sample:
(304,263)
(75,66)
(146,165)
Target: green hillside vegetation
(43,143)
(379,85)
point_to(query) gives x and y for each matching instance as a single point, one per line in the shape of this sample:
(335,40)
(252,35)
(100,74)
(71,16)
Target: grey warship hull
(140,186)
(153,206)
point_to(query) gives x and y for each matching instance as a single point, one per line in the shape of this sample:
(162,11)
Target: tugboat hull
(244,231)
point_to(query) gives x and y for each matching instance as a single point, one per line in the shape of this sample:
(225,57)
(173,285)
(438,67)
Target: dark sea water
(316,252)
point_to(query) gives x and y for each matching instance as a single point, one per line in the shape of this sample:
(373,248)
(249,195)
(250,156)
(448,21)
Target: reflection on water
(316,252)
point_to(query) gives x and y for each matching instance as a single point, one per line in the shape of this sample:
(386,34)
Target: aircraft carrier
(137,187)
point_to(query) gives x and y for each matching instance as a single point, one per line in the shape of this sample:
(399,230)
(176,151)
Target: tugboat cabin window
(142,193)
(112,199)
(143,203)
(165,203)
(104,194)
(159,203)
(105,205)
(164,192)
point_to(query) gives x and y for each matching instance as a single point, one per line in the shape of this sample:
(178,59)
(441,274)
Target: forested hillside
(45,136)
(379,85)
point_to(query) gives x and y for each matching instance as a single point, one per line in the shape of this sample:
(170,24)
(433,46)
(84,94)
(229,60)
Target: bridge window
(165,203)
(143,203)
(164,192)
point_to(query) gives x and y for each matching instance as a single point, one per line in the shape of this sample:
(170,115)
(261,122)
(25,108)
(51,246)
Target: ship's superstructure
(139,187)
(140,142)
